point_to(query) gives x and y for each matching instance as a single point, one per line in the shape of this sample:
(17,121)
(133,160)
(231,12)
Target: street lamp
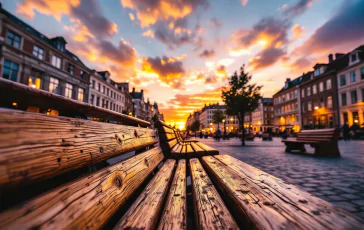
(224,121)
(318,118)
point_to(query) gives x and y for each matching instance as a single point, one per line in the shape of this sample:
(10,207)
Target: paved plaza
(337,180)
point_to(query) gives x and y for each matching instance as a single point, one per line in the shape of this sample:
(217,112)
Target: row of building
(31,58)
(329,96)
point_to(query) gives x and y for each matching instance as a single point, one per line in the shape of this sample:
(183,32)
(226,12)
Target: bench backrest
(320,135)
(168,136)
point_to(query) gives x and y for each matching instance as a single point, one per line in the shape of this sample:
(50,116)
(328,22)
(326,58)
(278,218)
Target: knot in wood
(118,182)
(267,203)
(146,162)
(303,201)
(118,139)
(135,133)
(101,149)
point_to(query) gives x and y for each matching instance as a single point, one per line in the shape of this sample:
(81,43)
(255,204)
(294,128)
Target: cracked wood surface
(87,202)
(270,203)
(36,146)
(174,215)
(210,210)
(145,211)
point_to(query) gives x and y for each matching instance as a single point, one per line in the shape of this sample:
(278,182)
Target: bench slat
(189,151)
(36,146)
(291,203)
(175,211)
(208,149)
(199,151)
(210,210)
(144,212)
(87,202)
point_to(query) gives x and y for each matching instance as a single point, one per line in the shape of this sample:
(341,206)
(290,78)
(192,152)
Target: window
(362,94)
(309,91)
(362,73)
(103,89)
(92,99)
(352,77)
(303,107)
(35,79)
(353,58)
(317,72)
(107,92)
(10,70)
(93,84)
(68,90)
(354,97)
(309,106)
(342,80)
(98,87)
(345,116)
(328,84)
(81,93)
(38,52)
(82,74)
(321,86)
(56,61)
(329,102)
(54,85)
(343,99)
(314,89)
(60,46)
(71,68)
(13,39)
(98,101)
(103,103)
(302,93)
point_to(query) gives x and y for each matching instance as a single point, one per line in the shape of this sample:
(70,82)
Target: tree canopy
(241,97)
(217,116)
(195,126)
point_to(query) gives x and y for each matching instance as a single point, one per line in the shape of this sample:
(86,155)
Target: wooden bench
(175,147)
(249,137)
(143,191)
(325,142)
(266,136)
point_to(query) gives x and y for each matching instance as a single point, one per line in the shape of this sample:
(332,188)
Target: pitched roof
(136,95)
(39,35)
(295,82)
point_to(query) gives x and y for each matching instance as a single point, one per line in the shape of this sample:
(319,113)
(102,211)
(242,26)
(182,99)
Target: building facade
(31,58)
(139,106)
(351,89)
(263,117)
(319,101)
(286,105)
(230,123)
(104,92)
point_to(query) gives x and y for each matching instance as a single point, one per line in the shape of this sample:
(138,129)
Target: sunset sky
(181,52)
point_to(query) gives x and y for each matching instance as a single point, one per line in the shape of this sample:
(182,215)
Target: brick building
(263,117)
(319,101)
(33,59)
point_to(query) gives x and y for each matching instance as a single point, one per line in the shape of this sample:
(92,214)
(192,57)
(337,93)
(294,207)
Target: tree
(241,97)
(155,118)
(195,126)
(217,117)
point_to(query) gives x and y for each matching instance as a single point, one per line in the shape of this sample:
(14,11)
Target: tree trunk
(241,121)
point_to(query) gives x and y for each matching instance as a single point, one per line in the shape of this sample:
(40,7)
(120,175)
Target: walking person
(346,131)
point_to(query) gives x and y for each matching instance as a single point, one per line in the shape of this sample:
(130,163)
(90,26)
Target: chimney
(141,91)
(331,58)
(288,79)
(133,90)
(337,55)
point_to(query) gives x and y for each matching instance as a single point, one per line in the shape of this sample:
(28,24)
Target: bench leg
(327,149)
(295,146)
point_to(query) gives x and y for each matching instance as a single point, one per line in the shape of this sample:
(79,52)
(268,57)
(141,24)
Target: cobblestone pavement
(336,180)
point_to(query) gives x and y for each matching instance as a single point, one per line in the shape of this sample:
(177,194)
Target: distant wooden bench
(249,137)
(266,136)
(325,142)
(174,146)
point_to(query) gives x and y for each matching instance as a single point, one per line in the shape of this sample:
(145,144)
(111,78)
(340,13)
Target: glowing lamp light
(223,120)
(356,121)
(15,104)
(231,119)
(316,107)
(210,123)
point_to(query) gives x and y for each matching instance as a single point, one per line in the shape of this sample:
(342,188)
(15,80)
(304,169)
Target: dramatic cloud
(169,70)
(85,14)
(208,54)
(298,8)
(149,12)
(181,105)
(298,31)
(343,29)
(266,58)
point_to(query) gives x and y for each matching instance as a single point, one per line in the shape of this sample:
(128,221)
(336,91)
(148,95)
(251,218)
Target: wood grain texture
(37,146)
(174,215)
(85,203)
(209,150)
(271,203)
(145,211)
(210,210)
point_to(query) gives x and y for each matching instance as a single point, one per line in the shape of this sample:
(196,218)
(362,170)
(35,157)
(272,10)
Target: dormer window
(317,71)
(60,46)
(353,57)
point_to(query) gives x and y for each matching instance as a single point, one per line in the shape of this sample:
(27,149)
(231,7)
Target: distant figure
(218,134)
(346,131)
(201,134)
(285,134)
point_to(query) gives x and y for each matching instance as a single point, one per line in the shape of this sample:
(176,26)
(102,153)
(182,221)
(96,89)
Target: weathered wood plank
(175,211)
(209,150)
(199,151)
(210,210)
(37,146)
(189,151)
(177,148)
(145,211)
(281,205)
(87,202)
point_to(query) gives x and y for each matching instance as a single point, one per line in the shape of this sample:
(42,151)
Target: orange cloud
(148,33)
(180,106)
(131,16)
(298,31)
